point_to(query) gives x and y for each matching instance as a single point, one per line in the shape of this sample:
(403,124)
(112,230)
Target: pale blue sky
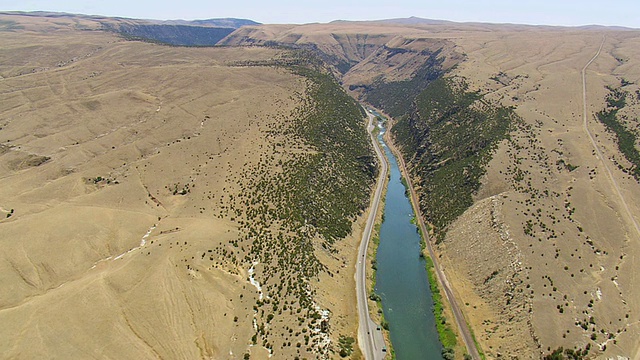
(546,12)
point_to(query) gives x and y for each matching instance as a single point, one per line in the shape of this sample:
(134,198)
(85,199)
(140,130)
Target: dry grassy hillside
(545,256)
(140,201)
(126,172)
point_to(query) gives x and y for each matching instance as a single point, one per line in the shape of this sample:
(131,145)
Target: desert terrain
(143,199)
(127,176)
(546,255)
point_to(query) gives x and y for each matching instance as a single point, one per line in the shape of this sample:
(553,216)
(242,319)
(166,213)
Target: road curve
(585,127)
(442,279)
(370,338)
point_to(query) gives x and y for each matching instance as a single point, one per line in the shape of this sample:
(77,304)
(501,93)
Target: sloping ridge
(338,46)
(184,35)
(223,22)
(358,55)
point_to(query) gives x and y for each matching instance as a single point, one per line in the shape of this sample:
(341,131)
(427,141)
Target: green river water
(401,277)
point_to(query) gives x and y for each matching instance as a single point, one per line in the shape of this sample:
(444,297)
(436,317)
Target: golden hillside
(145,190)
(135,182)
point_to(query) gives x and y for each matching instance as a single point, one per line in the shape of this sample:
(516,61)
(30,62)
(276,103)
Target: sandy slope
(119,160)
(528,291)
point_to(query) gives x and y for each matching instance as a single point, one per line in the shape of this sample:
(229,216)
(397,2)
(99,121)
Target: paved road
(370,337)
(442,279)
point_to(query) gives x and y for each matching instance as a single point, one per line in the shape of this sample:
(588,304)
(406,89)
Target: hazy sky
(549,12)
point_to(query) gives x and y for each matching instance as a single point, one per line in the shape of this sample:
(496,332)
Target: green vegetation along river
(401,277)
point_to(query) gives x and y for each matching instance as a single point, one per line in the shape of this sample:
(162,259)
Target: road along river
(401,277)
(370,337)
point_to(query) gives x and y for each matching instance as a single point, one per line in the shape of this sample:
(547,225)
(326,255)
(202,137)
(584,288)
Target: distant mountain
(413,20)
(207,32)
(605,27)
(226,22)
(417,21)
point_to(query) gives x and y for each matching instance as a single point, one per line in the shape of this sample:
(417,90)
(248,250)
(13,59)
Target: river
(401,277)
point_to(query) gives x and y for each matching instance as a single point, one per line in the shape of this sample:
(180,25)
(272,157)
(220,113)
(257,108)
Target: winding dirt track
(585,127)
(614,184)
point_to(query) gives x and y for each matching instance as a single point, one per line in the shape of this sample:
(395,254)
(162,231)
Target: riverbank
(370,337)
(449,307)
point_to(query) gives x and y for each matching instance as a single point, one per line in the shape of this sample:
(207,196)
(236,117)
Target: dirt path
(585,126)
(614,184)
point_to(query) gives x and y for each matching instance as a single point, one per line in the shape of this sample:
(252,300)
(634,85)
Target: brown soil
(544,259)
(113,249)
(533,288)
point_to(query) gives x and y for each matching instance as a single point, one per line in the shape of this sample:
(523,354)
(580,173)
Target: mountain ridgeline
(179,35)
(224,23)
(248,234)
